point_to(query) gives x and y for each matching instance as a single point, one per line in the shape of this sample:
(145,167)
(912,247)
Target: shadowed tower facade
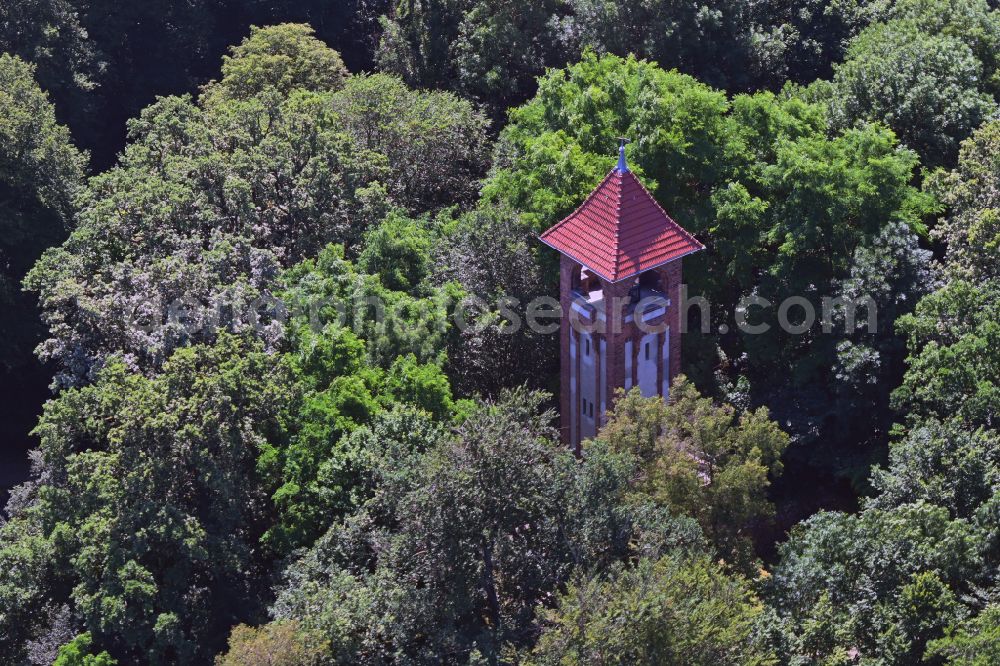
(619,288)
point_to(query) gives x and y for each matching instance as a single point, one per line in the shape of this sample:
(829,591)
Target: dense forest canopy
(270,259)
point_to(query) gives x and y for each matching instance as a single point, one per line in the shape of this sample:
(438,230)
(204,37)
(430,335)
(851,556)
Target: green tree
(211,200)
(975,22)
(922,555)
(492,255)
(415,40)
(490,51)
(722,44)
(887,578)
(434,143)
(974,642)
(398,250)
(502,47)
(103,61)
(952,338)
(943,464)
(923,74)
(147,508)
(275,61)
(421,384)
(808,37)
(675,610)
(971,230)
(49,34)
(701,459)
(351,362)
(328,292)
(886,278)
(819,218)
(41,173)
(275,644)
(139,51)
(493,51)
(322,467)
(455,550)
(557,147)
(77,653)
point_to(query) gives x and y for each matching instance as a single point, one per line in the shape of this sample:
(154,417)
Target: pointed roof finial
(622,165)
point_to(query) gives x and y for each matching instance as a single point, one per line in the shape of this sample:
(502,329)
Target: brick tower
(619,287)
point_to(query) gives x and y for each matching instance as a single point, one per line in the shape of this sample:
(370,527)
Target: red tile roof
(620,231)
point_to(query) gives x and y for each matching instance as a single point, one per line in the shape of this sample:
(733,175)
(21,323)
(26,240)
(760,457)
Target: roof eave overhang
(662,263)
(576,259)
(624,277)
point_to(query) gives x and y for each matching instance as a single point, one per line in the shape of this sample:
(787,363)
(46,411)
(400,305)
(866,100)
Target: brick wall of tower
(566,268)
(617,333)
(670,279)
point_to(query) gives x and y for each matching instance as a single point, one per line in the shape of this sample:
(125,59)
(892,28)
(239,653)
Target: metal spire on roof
(622,165)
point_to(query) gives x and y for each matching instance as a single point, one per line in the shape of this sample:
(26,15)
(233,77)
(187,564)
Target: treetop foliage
(41,174)
(269,441)
(212,199)
(478,530)
(657,612)
(701,460)
(277,60)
